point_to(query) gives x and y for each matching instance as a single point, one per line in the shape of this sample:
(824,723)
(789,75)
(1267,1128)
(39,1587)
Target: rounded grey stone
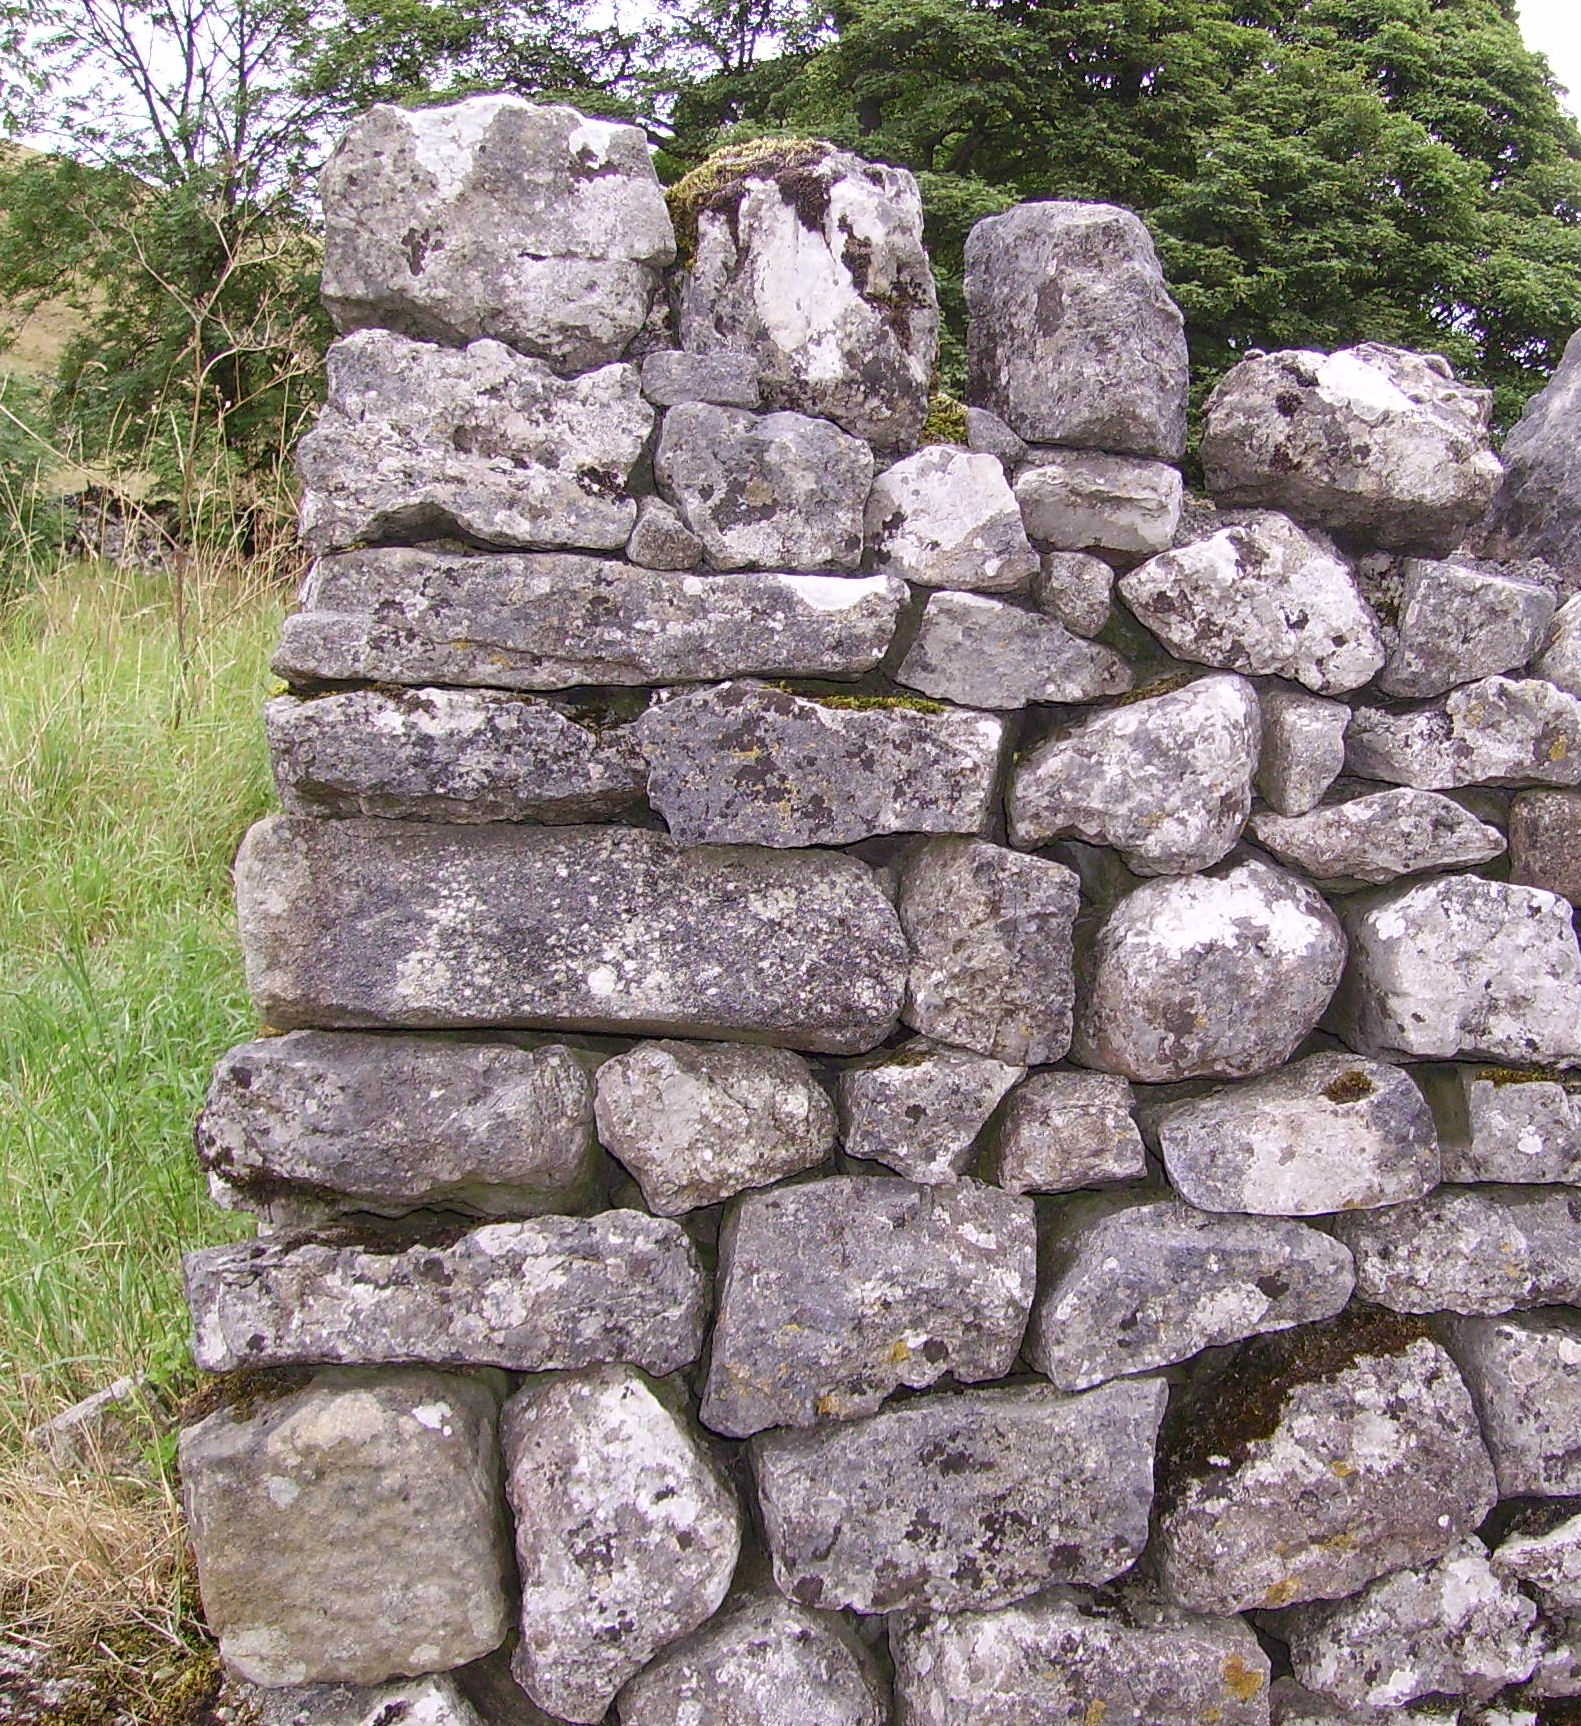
(1303,748)
(1545,842)
(661,540)
(1076,588)
(1379,836)
(1503,1124)
(1561,657)
(670,377)
(1064,1130)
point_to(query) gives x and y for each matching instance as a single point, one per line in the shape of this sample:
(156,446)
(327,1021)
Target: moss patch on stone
(877,703)
(1163,686)
(946,421)
(1349,1087)
(718,182)
(243,1393)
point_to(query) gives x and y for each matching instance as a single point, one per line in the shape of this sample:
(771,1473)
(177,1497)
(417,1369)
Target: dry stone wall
(903,1081)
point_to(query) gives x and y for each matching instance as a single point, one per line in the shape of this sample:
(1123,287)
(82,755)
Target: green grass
(129,771)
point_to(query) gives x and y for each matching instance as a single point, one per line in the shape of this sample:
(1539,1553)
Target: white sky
(1553,27)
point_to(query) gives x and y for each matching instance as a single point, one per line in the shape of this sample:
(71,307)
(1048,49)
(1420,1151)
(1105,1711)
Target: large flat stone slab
(1379,836)
(1496,731)
(368,923)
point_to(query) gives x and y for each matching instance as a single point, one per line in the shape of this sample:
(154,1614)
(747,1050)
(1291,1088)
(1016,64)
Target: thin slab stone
(1524,1373)
(1061,1131)
(1083,500)
(672,376)
(1461,621)
(1379,836)
(947,518)
(920,1109)
(1496,731)
(431,1701)
(1303,749)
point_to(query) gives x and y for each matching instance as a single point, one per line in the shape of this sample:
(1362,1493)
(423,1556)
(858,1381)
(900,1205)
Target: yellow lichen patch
(1095,1711)
(1210,1716)
(829,1404)
(1343,1469)
(1559,749)
(900,1353)
(1281,1594)
(728,169)
(1242,1682)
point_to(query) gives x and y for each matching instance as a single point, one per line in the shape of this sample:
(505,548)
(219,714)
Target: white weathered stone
(921,1108)
(1499,730)
(947,518)
(1076,588)
(1524,1373)
(1534,514)
(1547,1557)
(1080,500)
(1065,1130)
(1303,747)
(1502,1124)
(1561,656)
(1379,837)
(1460,621)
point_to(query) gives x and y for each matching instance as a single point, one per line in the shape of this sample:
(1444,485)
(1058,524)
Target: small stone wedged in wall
(481,443)
(1061,1131)
(400,925)
(1371,442)
(945,517)
(964,1501)
(921,1109)
(1524,1372)
(834,1294)
(1534,514)
(1073,338)
(660,539)
(1076,588)
(1085,500)
(1459,621)
(1560,661)
(1547,1558)
(1378,837)
(746,764)
(1496,731)
(429,1701)
(1545,842)
(543,1294)
(390,1125)
(351,1529)
(671,376)
(1303,749)
(549,621)
(493,217)
(1505,1124)
(627,1533)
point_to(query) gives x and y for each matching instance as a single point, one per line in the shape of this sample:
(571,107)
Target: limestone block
(1512,1126)
(834,1294)
(1064,1130)
(1303,747)
(377,1492)
(1534,514)
(431,1701)
(1545,842)
(553,622)
(1082,500)
(947,518)
(1499,730)
(921,1109)
(1076,588)
(1561,657)
(747,764)
(661,540)
(397,1124)
(1167,779)
(1461,621)
(1073,337)
(1379,837)
(1371,441)
(987,434)
(477,443)
(1524,1373)
(672,376)
(971,1500)
(348,923)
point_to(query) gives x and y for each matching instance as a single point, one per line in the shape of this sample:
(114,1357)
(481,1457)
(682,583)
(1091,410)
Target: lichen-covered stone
(448,755)
(1125,1286)
(990,938)
(1534,514)
(696,1122)
(1461,621)
(1081,500)
(534,1296)
(1524,1373)
(818,272)
(396,1124)
(1379,837)
(962,1501)
(348,923)
(478,443)
(1076,588)
(1073,338)
(1499,730)
(553,622)
(834,1294)
(1470,1250)
(1261,597)
(350,1530)
(672,376)
(765,491)
(1166,779)
(1547,1557)
(920,1110)
(1371,441)
(765,1663)
(1208,976)
(430,1701)
(1290,1704)
(1545,842)
(1561,657)
(1064,1130)
(1509,1125)
(660,539)
(1459,966)
(626,1534)
(947,518)
(1072,1659)
(1329,1133)
(1314,1460)
(746,764)
(530,224)
(1303,747)
(987,434)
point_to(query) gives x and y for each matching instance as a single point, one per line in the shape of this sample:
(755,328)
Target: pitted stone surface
(766,1663)
(1534,514)
(529,224)
(1524,1373)
(990,937)
(1073,338)
(1064,1130)
(980,652)
(1330,1133)
(479,443)
(765,491)
(1371,441)
(1470,1250)
(534,1296)
(1081,500)
(834,1294)
(1379,837)
(1061,1658)
(661,540)
(671,376)
(1364,1456)
(818,273)
(348,923)
(1459,966)
(696,1122)
(1499,730)
(1450,1628)
(394,1124)
(1547,1557)
(449,755)
(964,1501)
(1512,1126)
(1076,588)
(1459,622)
(1128,1286)
(921,1109)
(626,1534)
(1561,658)
(746,764)
(1260,597)
(1208,976)
(1166,779)
(431,1701)
(374,1493)
(552,622)
(1303,747)
(1545,842)
(947,518)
